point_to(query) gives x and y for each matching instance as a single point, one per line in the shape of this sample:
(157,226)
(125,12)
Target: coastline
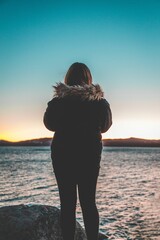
(119,142)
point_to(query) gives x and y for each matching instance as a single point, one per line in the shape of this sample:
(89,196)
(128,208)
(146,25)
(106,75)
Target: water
(128,189)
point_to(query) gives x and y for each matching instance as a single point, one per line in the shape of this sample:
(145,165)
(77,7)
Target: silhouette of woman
(78,114)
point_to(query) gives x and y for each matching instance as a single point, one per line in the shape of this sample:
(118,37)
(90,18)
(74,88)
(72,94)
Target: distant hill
(32,142)
(121,142)
(131,142)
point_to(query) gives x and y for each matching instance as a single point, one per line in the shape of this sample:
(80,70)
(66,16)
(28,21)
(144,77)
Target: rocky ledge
(34,222)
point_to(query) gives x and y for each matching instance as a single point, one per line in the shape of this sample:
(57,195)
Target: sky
(118,40)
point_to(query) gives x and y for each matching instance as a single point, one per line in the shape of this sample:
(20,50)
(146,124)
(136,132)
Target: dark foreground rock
(34,222)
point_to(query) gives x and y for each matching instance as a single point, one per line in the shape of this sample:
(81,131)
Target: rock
(34,222)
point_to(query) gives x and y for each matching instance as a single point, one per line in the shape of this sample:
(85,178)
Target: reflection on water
(128,193)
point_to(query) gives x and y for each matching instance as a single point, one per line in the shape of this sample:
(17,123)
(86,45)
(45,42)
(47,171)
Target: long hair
(78,74)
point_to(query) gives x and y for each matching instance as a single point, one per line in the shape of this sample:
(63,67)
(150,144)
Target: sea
(128,188)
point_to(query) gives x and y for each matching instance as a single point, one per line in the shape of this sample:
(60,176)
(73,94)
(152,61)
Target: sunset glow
(118,40)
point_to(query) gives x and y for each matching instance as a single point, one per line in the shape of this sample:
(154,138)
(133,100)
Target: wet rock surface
(34,222)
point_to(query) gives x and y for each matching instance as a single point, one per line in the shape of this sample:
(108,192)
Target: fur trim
(85,92)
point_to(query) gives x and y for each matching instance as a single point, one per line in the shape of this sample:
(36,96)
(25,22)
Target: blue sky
(118,40)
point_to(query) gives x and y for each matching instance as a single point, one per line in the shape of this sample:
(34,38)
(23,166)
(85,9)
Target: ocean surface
(128,189)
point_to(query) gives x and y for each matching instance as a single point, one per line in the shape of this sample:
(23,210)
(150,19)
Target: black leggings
(86,184)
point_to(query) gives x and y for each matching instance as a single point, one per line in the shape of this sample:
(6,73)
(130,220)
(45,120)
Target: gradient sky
(118,40)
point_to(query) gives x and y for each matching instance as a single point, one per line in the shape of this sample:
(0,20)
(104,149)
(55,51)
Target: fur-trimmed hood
(85,92)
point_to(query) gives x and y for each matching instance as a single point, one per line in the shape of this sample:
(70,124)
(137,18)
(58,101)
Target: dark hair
(78,74)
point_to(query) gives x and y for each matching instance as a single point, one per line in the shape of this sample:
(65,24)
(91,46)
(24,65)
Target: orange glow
(21,133)
(119,129)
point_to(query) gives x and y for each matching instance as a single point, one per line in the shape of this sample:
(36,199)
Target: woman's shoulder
(53,101)
(104,102)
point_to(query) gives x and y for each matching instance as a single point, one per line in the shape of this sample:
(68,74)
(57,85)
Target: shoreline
(119,142)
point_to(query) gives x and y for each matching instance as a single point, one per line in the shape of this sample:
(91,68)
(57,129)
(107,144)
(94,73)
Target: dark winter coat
(78,115)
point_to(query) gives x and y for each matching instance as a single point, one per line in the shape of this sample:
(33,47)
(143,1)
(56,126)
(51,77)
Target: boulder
(34,222)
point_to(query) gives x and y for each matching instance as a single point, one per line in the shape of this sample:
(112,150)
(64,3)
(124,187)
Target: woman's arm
(105,116)
(50,116)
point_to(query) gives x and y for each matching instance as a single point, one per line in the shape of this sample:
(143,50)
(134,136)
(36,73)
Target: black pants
(68,182)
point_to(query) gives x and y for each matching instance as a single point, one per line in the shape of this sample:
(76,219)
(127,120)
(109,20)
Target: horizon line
(31,139)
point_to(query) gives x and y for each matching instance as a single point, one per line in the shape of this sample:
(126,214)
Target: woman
(78,114)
